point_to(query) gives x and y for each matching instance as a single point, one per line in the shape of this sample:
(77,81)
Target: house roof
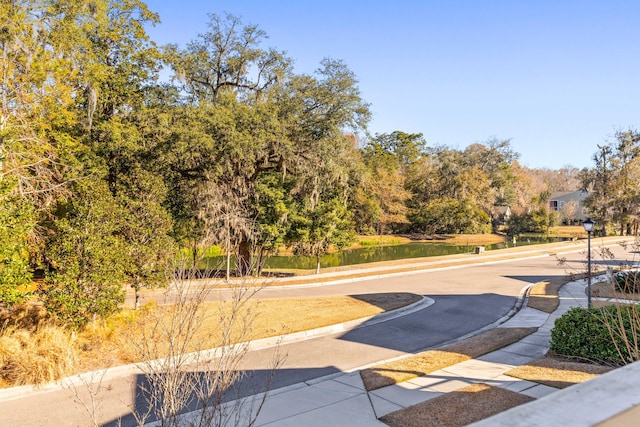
(502,209)
(569,195)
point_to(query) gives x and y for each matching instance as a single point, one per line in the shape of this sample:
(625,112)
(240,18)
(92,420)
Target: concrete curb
(584,404)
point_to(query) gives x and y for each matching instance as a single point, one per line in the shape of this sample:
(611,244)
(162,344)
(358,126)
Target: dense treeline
(614,185)
(110,175)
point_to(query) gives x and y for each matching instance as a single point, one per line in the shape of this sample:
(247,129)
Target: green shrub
(594,334)
(627,281)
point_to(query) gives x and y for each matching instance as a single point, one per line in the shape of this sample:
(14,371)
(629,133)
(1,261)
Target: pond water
(380,253)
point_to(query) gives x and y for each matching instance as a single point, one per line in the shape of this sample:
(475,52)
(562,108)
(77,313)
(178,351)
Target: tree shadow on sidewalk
(242,399)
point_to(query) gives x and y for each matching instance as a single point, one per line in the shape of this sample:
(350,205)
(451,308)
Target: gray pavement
(341,400)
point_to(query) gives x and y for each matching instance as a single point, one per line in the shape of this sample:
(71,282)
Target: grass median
(36,355)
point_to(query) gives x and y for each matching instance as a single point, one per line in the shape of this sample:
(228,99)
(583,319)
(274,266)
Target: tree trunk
(137,304)
(136,288)
(228,264)
(317,264)
(259,262)
(228,248)
(243,261)
(194,254)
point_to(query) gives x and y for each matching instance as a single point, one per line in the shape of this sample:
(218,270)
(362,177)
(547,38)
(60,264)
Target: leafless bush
(179,373)
(88,393)
(617,307)
(602,260)
(621,316)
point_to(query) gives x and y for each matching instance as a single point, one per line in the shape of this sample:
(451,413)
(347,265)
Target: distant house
(502,212)
(569,205)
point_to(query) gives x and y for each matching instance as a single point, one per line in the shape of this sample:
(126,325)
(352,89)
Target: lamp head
(588,225)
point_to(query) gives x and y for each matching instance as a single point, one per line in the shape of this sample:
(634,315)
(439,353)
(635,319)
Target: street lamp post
(588,227)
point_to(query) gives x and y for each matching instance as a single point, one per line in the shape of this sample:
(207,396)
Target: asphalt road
(467,298)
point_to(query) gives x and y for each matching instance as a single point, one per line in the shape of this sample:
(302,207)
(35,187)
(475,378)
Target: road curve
(467,298)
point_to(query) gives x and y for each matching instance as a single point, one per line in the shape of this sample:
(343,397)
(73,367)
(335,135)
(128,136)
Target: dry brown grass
(429,361)
(379,240)
(392,239)
(570,231)
(48,354)
(605,289)
(543,296)
(457,408)
(269,318)
(480,401)
(628,418)
(33,357)
(22,316)
(301,314)
(467,239)
(557,372)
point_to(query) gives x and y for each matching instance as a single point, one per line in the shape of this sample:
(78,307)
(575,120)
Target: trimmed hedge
(584,334)
(627,281)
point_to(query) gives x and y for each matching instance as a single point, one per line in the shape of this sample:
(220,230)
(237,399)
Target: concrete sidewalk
(342,400)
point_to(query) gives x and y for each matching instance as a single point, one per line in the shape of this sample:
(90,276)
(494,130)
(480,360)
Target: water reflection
(382,253)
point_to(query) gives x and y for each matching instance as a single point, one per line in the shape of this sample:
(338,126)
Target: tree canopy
(109,175)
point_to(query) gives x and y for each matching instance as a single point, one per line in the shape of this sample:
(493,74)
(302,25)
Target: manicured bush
(601,335)
(627,281)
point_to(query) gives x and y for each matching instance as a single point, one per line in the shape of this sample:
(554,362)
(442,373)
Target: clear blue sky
(555,77)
